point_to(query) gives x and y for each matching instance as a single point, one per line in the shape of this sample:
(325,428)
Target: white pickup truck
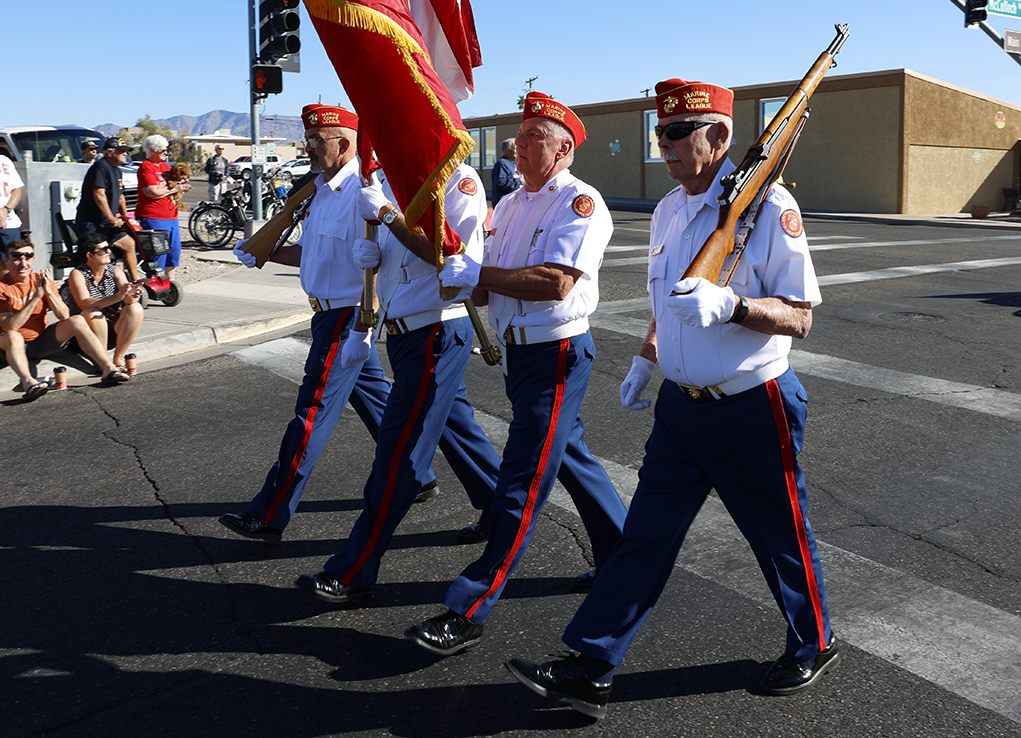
(243,167)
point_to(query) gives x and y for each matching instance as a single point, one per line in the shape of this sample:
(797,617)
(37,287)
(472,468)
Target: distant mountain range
(287,127)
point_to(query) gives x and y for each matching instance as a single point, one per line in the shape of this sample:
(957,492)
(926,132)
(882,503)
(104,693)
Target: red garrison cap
(328,116)
(538,105)
(675,96)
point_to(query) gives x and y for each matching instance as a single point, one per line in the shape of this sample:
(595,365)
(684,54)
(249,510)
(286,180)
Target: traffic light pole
(256,180)
(990,32)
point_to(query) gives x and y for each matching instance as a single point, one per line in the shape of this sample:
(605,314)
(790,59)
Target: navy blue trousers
(546,384)
(324,391)
(428,406)
(746,447)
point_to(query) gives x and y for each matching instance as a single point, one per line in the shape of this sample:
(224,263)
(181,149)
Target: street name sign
(1006,8)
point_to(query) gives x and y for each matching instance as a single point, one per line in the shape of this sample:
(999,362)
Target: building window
(651,142)
(474,158)
(769,107)
(488,147)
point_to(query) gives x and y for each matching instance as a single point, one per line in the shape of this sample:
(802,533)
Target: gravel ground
(193,269)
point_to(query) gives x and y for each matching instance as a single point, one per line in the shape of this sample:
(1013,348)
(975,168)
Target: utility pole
(256,180)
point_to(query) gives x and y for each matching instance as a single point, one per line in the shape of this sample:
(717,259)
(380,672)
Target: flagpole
(369,317)
(490,352)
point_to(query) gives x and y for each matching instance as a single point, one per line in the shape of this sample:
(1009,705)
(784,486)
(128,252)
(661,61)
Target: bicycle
(213,224)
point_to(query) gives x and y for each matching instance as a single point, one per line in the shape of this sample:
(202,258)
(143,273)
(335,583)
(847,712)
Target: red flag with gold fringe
(405,110)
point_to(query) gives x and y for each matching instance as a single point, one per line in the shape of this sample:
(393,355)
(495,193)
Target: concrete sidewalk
(223,309)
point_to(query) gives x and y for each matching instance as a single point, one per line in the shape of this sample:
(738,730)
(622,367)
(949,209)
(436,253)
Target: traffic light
(267,79)
(278,29)
(974,12)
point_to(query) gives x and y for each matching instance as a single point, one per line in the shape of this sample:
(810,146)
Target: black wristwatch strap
(741,312)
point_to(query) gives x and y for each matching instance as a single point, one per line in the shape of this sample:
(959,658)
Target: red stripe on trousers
(787,453)
(310,417)
(395,461)
(533,489)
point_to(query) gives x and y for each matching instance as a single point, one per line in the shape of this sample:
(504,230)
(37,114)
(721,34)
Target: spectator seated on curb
(99,291)
(25,298)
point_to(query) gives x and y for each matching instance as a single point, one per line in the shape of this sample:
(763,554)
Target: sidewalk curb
(167,345)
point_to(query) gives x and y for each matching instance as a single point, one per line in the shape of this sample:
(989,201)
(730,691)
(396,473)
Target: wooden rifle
(278,229)
(746,187)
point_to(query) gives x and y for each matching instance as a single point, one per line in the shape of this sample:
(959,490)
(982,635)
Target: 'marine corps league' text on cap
(328,116)
(676,97)
(538,105)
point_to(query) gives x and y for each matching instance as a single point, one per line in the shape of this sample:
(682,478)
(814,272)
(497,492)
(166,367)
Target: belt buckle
(394,327)
(698,394)
(314,302)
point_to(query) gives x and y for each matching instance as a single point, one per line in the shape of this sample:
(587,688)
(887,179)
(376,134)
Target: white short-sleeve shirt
(567,223)
(327,269)
(776,263)
(10,180)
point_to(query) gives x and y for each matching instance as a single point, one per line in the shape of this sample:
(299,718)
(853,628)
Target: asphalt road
(130,611)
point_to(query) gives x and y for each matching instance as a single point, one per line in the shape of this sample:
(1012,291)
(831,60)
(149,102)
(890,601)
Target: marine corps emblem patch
(669,104)
(468,186)
(583,206)
(790,221)
(537,107)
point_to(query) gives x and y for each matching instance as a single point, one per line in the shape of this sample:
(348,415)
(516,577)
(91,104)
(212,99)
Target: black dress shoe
(446,634)
(789,677)
(427,492)
(245,525)
(476,533)
(326,587)
(564,680)
(582,583)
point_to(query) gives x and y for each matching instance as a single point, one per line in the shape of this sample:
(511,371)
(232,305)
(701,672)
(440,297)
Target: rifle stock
(761,167)
(265,240)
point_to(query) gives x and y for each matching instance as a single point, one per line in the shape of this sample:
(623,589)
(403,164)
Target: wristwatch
(741,312)
(390,216)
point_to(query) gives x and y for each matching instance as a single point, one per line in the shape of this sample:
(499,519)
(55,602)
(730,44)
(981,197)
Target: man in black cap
(90,149)
(103,208)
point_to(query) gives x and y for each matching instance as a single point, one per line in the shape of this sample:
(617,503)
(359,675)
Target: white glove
(700,303)
(634,384)
(460,271)
(356,348)
(365,253)
(370,200)
(244,257)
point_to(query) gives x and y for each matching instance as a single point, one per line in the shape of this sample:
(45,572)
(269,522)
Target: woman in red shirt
(156,209)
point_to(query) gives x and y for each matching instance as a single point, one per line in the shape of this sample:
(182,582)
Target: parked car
(294,169)
(243,167)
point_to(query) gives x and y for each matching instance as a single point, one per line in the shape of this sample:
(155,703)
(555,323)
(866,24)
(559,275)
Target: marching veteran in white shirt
(540,278)
(428,343)
(342,363)
(730,416)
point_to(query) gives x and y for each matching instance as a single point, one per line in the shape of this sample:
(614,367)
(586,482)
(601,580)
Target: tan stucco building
(882,142)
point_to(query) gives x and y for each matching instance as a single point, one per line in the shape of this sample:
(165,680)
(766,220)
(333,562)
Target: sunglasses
(681,129)
(22,255)
(101,250)
(312,143)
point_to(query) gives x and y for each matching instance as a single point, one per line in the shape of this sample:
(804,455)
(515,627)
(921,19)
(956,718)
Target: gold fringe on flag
(353,15)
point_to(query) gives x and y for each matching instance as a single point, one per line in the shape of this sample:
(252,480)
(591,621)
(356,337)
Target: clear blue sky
(190,56)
